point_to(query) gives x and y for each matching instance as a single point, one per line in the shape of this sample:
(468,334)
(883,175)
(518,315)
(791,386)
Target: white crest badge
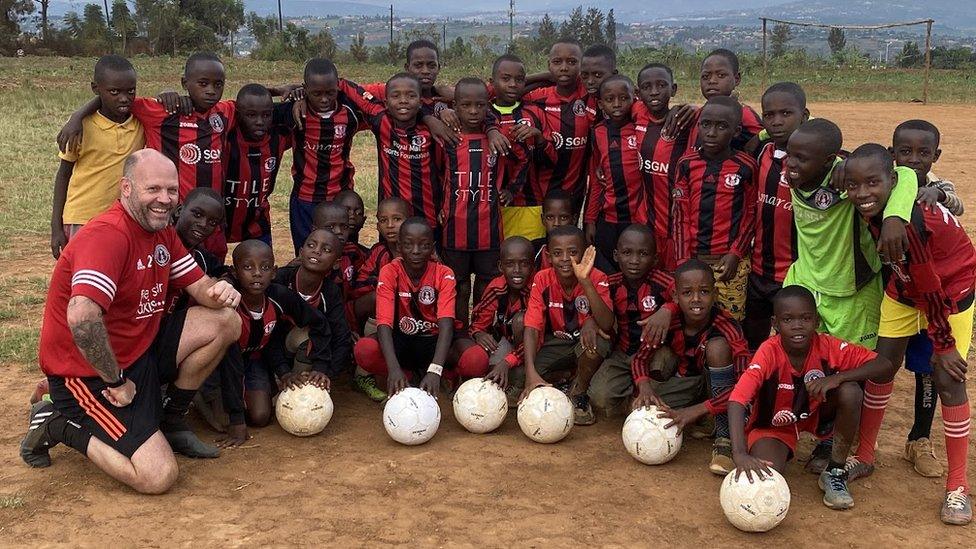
(427,295)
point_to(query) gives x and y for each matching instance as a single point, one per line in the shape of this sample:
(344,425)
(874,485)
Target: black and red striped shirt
(470,214)
(250,173)
(774,248)
(542,259)
(938,272)
(566,126)
(322,167)
(659,156)
(552,311)
(368,273)
(283,309)
(516,173)
(495,312)
(194,142)
(714,205)
(690,350)
(751,126)
(406,157)
(631,305)
(617,192)
(414,309)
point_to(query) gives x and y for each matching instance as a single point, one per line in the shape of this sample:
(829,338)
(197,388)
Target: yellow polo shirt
(94,183)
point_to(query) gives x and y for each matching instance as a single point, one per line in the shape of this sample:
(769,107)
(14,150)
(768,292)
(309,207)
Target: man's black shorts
(128,428)
(482,264)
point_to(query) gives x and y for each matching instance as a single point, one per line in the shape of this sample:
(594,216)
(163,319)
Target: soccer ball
(546,415)
(304,411)
(480,405)
(411,416)
(758,506)
(646,438)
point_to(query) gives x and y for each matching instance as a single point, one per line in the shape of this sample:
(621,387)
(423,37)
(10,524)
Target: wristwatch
(118,382)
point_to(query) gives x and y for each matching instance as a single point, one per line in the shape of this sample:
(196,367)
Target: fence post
(928,60)
(765,67)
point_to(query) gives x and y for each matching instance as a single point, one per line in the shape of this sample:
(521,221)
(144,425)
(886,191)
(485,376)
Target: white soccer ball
(411,416)
(546,415)
(758,506)
(480,406)
(646,438)
(304,411)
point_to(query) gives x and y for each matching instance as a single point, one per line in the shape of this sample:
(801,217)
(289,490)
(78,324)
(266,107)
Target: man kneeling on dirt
(106,347)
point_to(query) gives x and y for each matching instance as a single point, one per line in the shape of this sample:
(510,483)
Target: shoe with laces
(957,509)
(820,457)
(857,469)
(921,455)
(367,385)
(582,410)
(833,482)
(721,463)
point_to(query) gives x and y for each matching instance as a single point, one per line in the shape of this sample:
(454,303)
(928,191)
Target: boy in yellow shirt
(87,182)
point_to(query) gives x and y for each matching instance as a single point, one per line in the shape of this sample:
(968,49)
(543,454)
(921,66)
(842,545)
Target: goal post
(928,42)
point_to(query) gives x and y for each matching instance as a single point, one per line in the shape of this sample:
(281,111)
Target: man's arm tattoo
(91,337)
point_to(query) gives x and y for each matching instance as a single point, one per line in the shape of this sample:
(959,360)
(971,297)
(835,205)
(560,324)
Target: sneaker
(35,446)
(582,410)
(857,469)
(564,386)
(834,485)
(820,457)
(367,385)
(957,509)
(188,444)
(722,462)
(921,454)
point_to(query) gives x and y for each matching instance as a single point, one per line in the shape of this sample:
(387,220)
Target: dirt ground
(353,486)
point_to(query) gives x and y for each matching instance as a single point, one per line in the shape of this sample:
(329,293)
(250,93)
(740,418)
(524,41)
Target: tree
(93,23)
(458,49)
(594,23)
(358,49)
(10,13)
(486,44)
(123,23)
(836,40)
(324,44)
(71,22)
(781,35)
(44,26)
(546,34)
(910,55)
(573,28)
(611,33)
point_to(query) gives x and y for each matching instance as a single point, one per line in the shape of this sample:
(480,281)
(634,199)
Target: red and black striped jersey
(194,142)
(322,166)
(776,393)
(938,272)
(751,126)
(542,259)
(631,305)
(378,90)
(714,205)
(414,309)
(562,163)
(470,214)
(368,273)
(774,247)
(495,312)
(516,173)
(552,311)
(659,157)
(616,192)
(250,173)
(691,351)
(406,157)
(282,309)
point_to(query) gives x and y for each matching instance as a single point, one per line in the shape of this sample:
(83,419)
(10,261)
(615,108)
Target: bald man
(106,347)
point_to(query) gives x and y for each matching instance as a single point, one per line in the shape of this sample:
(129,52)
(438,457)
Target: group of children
(569,228)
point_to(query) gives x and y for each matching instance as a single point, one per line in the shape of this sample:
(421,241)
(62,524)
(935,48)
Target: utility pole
(444,37)
(281,25)
(511,24)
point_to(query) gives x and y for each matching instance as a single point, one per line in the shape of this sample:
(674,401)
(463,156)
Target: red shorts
(790,434)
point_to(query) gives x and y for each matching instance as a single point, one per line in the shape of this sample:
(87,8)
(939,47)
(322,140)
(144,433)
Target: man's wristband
(435,369)
(118,382)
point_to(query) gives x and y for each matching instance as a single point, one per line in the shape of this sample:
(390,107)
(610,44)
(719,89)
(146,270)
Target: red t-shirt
(414,309)
(561,313)
(127,271)
(777,392)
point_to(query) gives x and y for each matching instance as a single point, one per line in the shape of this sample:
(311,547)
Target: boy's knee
(259,417)
(227,324)
(159,479)
(518,327)
(718,353)
(850,394)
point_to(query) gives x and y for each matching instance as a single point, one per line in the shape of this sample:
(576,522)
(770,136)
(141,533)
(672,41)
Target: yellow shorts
(523,221)
(900,320)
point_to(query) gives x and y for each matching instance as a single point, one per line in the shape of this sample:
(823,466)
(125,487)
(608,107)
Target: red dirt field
(353,486)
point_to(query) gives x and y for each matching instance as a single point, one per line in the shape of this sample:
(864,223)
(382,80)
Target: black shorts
(605,241)
(757,323)
(482,264)
(415,353)
(125,429)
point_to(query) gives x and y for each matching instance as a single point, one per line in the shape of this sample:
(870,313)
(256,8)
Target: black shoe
(582,410)
(188,444)
(820,456)
(35,446)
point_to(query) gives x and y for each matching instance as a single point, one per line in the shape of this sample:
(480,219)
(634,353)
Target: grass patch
(18,345)
(13,501)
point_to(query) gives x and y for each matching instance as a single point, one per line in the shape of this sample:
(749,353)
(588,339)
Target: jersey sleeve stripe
(95,282)
(109,283)
(182,267)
